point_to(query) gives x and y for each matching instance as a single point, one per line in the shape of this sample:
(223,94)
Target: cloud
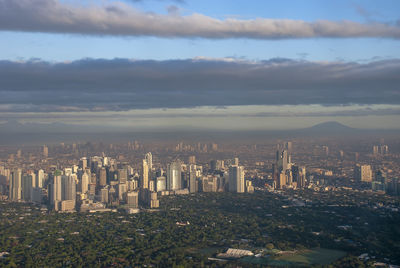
(122,84)
(120,19)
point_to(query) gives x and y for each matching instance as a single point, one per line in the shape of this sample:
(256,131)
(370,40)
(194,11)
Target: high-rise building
(161,184)
(149,159)
(282,180)
(83,163)
(174,175)
(15,185)
(85,183)
(45,151)
(104,195)
(192,179)
(122,189)
(103,177)
(122,175)
(144,183)
(363,173)
(26,187)
(40,178)
(68,187)
(236,179)
(55,190)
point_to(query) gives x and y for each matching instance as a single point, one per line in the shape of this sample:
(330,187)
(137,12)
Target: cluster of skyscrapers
(285,173)
(100,183)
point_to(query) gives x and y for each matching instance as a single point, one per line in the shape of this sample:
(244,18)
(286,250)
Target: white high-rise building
(40,178)
(145,174)
(174,175)
(236,179)
(84,183)
(363,173)
(192,179)
(56,190)
(149,158)
(15,185)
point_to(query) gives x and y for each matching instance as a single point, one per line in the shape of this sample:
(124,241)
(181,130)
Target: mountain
(331,126)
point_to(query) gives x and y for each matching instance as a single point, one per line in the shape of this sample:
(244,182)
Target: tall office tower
(68,188)
(122,175)
(122,189)
(363,173)
(302,182)
(103,177)
(236,179)
(85,183)
(149,158)
(174,175)
(104,195)
(144,183)
(161,184)
(34,180)
(83,163)
(132,199)
(356,156)
(45,151)
(19,153)
(15,192)
(282,180)
(296,175)
(235,161)
(192,179)
(192,159)
(55,189)
(375,150)
(26,187)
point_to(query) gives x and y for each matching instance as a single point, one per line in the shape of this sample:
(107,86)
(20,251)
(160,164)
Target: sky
(237,64)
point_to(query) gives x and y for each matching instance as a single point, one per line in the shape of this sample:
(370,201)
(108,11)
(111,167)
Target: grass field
(308,257)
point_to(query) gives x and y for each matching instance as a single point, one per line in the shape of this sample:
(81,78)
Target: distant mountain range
(14,132)
(331,127)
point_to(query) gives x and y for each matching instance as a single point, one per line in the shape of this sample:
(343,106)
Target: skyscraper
(122,175)
(174,175)
(15,192)
(144,183)
(149,159)
(45,151)
(68,188)
(363,173)
(85,183)
(103,177)
(192,179)
(236,179)
(26,187)
(40,178)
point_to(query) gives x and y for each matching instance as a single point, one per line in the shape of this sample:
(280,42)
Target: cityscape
(183,133)
(125,179)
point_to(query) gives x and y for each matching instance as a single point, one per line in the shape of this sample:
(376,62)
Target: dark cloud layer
(119,19)
(121,84)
